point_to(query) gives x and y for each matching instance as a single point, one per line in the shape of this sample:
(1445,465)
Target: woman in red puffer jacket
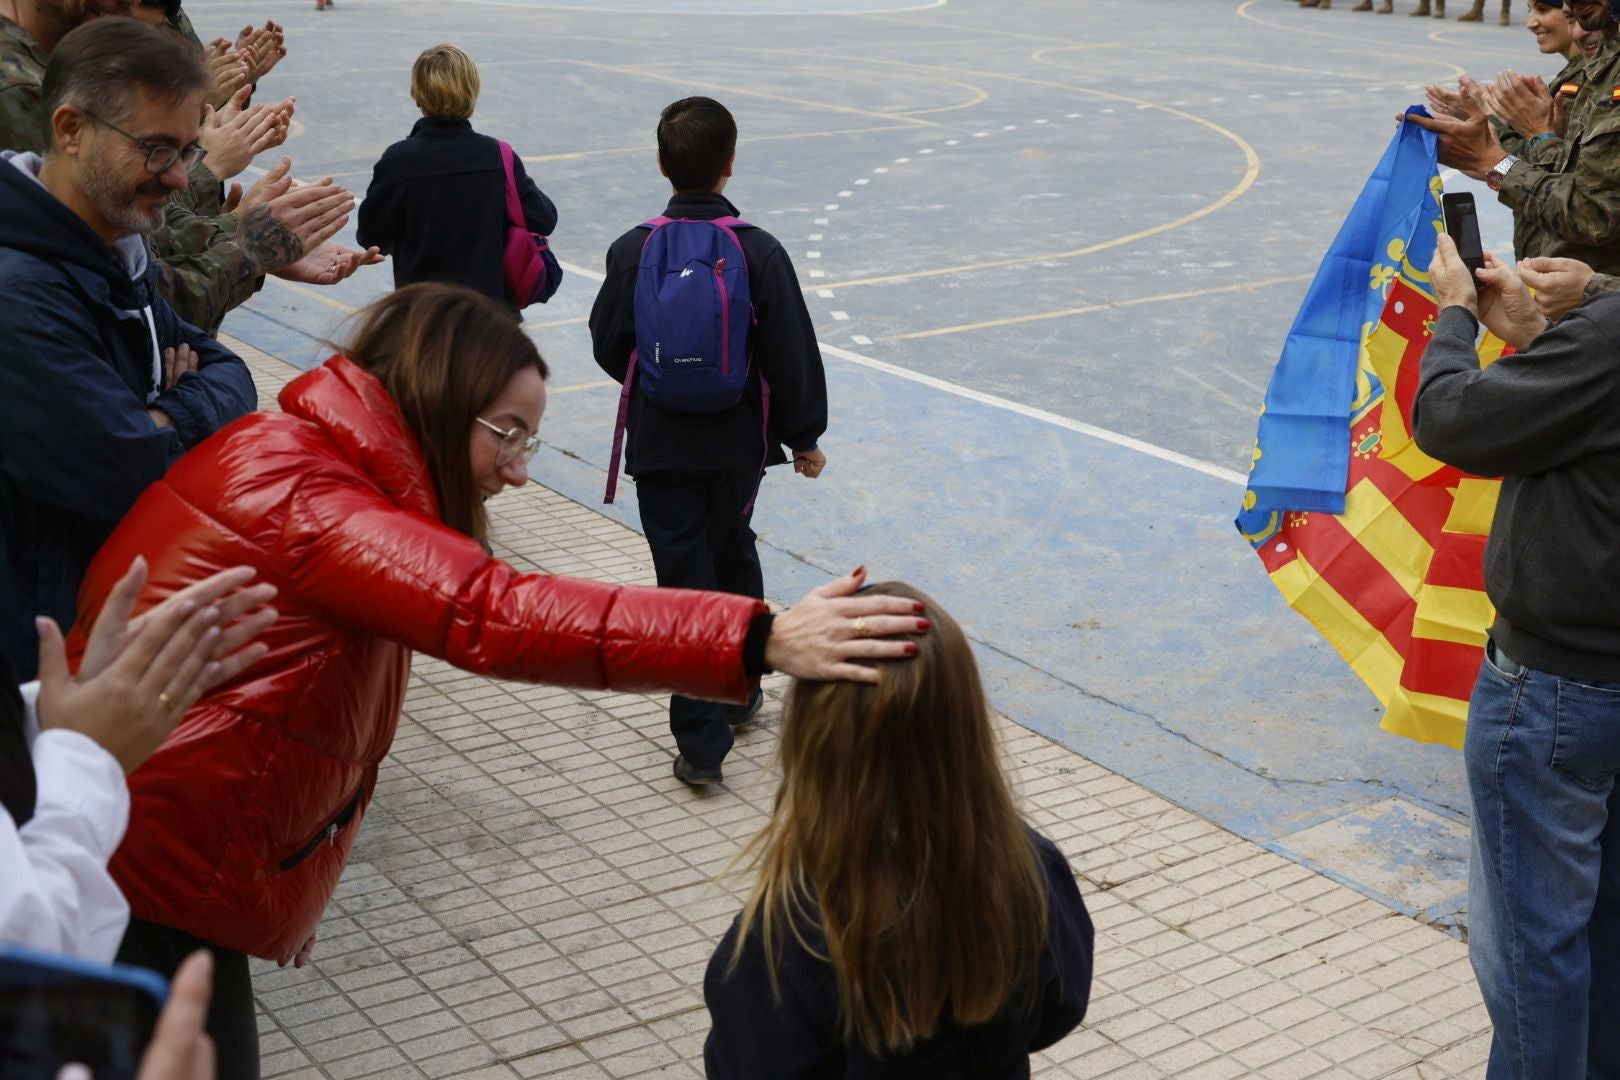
(362,501)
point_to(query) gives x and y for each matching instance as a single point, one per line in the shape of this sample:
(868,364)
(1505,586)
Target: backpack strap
(514,205)
(765,452)
(618,432)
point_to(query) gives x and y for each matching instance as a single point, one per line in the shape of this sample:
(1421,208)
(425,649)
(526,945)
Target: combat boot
(1421,9)
(1365,5)
(1507,13)
(1474,14)
(1310,3)
(1439,9)
(1387,7)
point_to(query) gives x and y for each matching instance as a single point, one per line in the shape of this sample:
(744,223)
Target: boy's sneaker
(695,775)
(741,715)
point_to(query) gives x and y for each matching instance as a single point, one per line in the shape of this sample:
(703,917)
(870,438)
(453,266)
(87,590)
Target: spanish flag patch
(1570,89)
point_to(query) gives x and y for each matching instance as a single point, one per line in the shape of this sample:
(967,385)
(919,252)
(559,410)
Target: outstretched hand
(1468,145)
(329,264)
(138,676)
(828,634)
(1524,103)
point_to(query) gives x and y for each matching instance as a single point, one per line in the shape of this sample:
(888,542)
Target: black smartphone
(1462,225)
(56,1011)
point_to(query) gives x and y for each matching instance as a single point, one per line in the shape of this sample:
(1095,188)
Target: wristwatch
(1499,171)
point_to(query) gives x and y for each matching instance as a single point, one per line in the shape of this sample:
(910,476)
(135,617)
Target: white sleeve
(55,893)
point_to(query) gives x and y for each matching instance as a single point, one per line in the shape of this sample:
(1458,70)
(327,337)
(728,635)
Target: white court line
(1231,476)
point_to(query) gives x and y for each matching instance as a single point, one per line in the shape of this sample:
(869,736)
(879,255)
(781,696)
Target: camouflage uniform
(22,67)
(1566,199)
(206,195)
(202,273)
(1529,238)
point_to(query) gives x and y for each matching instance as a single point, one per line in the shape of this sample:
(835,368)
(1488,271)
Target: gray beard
(116,202)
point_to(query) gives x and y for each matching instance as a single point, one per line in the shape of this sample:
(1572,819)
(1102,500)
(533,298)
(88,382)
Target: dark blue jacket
(781,346)
(437,205)
(798,1035)
(76,379)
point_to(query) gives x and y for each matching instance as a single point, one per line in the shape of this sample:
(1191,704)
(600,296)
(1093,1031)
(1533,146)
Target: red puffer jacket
(241,823)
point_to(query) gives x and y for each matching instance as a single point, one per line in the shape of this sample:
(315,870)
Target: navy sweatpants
(701,539)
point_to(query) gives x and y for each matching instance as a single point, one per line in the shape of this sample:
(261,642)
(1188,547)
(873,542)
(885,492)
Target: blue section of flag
(1303,444)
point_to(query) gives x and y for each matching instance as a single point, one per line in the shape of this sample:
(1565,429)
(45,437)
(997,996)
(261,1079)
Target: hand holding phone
(1462,225)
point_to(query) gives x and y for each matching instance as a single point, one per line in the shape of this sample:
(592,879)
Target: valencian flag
(1379,545)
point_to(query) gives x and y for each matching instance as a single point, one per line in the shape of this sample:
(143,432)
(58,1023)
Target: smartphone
(1462,225)
(56,1011)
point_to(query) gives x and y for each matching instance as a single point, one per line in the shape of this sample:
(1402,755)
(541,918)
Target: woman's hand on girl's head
(828,634)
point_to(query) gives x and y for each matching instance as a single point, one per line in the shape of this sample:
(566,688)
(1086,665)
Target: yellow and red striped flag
(1381,547)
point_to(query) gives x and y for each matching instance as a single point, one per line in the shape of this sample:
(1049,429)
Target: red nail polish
(918,609)
(911,648)
(860,571)
(924,624)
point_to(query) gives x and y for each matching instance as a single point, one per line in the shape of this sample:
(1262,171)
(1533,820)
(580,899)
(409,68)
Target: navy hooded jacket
(81,333)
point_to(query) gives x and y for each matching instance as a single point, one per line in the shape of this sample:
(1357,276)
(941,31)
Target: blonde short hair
(444,83)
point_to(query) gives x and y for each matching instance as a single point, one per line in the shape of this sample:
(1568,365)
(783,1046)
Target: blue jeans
(1542,754)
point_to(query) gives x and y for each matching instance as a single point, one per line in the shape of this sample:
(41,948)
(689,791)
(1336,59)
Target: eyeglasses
(515,443)
(160,157)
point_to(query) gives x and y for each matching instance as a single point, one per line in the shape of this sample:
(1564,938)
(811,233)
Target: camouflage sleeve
(1581,205)
(205,277)
(1600,283)
(19,117)
(205,194)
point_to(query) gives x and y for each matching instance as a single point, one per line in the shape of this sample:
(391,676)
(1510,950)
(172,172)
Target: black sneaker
(695,775)
(741,716)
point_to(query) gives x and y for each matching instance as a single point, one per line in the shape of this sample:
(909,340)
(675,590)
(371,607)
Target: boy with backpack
(701,317)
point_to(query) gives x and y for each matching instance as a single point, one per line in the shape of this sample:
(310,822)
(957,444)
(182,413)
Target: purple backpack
(693,312)
(530,269)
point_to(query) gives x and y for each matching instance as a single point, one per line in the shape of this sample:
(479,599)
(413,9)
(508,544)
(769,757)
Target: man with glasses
(206,264)
(102,387)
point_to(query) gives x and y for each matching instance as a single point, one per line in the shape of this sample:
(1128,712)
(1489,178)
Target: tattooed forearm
(268,241)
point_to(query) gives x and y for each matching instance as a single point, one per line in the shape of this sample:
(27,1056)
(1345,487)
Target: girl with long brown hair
(905,922)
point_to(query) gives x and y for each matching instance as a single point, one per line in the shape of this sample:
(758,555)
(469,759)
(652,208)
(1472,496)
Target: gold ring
(164,699)
(859,626)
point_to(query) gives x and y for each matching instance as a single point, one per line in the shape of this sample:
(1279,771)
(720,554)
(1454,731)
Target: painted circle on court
(732,7)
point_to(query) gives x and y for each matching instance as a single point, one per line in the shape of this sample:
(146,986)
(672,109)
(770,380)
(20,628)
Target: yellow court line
(1199,58)
(652,148)
(723,88)
(1434,36)
(1251,171)
(1088,309)
(304,290)
(1378,48)
(980,96)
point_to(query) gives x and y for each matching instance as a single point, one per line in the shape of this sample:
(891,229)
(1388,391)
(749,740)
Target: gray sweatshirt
(1548,422)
